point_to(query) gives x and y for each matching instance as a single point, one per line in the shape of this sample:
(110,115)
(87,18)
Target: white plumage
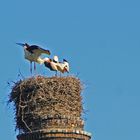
(63,66)
(54,65)
(33,53)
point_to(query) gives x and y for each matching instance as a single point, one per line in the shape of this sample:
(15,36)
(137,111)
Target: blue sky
(101,40)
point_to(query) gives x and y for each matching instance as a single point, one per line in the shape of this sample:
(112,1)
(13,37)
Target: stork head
(66,68)
(23,44)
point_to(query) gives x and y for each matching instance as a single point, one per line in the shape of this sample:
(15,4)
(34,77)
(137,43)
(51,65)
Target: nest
(37,99)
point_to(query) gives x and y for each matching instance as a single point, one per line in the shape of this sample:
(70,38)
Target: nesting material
(40,97)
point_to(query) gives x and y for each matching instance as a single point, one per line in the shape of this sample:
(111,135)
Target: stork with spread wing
(33,53)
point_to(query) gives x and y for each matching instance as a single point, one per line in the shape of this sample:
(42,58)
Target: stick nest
(40,98)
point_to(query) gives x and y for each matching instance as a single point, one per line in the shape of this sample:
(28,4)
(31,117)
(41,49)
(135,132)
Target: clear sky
(101,40)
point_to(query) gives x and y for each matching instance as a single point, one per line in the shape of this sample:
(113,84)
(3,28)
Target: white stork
(63,66)
(51,64)
(33,53)
(55,65)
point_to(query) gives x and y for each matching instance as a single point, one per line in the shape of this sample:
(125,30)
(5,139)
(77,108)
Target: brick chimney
(49,109)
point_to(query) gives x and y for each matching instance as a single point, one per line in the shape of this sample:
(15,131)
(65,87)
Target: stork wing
(38,50)
(60,67)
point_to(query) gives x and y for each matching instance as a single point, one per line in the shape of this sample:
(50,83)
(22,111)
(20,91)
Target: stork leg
(56,74)
(31,67)
(34,67)
(60,74)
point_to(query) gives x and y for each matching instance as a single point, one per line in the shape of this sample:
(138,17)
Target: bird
(55,65)
(51,64)
(67,67)
(33,53)
(63,66)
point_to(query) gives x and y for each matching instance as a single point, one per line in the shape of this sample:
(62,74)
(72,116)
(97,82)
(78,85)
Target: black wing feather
(32,48)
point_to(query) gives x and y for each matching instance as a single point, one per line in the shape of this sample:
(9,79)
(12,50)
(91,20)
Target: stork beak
(20,44)
(65,69)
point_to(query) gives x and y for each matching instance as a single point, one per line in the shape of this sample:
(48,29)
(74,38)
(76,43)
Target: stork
(33,53)
(51,64)
(63,66)
(55,65)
